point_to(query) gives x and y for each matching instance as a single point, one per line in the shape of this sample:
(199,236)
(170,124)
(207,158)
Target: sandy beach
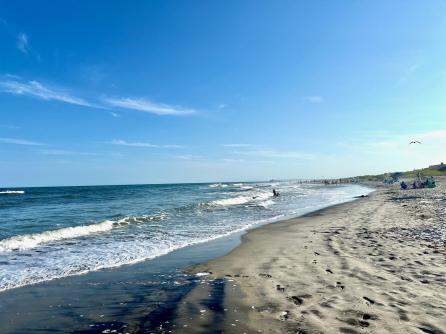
(375,265)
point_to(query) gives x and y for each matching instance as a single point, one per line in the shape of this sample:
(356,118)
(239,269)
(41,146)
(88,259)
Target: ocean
(58,238)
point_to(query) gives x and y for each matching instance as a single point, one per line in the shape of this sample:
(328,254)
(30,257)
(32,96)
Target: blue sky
(123,92)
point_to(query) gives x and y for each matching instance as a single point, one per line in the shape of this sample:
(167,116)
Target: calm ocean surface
(54,232)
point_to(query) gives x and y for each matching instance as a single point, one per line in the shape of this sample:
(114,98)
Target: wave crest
(241,199)
(28,241)
(12,192)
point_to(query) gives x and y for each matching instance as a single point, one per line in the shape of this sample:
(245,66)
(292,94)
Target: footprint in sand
(284,315)
(426,328)
(299,300)
(369,301)
(339,285)
(296,300)
(280,288)
(358,319)
(265,275)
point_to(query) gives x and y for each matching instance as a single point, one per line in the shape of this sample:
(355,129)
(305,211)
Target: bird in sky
(415,142)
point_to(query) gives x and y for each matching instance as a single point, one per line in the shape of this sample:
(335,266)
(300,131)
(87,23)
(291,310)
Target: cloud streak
(58,152)
(274,154)
(23,43)
(143,144)
(398,143)
(37,90)
(15,85)
(408,73)
(16,141)
(143,105)
(237,145)
(314,99)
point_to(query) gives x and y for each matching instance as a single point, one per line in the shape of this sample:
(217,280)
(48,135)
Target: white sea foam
(12,192)
(266,203)
(27,241)
(254,197)
(232,201)
(218,185)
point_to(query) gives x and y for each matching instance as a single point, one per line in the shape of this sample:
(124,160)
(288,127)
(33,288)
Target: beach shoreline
(370,264)
(143,296)
(361,266)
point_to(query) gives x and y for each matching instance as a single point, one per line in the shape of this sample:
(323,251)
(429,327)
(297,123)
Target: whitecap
(12,192)
(256,196)
(28,241)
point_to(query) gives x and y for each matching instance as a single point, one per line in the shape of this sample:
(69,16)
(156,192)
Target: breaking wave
(29,241)
(12,192)
(242,199)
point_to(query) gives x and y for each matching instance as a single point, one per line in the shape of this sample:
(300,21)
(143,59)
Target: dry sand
(375,265)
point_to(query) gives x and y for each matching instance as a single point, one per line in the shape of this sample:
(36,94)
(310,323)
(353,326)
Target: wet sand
(375,265)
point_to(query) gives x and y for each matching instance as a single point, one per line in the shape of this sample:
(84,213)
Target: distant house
(441,167)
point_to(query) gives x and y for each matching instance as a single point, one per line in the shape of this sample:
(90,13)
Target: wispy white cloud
(23,43)
(275,154)
(232,160)
(237,145)
(95,73)
(59,152)
(435,134)
(143,144)
(16,141)
(190,157)
(9,127)
(12,76)
(193,160)
(144,105)
(408,73)
(391,151)
(395,141)
(15,85)
(267,152)
(21,39)
(314,99)
(396,151)
(37,90)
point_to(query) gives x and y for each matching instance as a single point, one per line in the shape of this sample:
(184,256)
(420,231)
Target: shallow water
(49,233)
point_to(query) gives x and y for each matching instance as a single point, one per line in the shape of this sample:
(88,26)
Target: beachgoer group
(428,182)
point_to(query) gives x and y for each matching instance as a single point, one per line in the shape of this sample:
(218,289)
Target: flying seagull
(415,142)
